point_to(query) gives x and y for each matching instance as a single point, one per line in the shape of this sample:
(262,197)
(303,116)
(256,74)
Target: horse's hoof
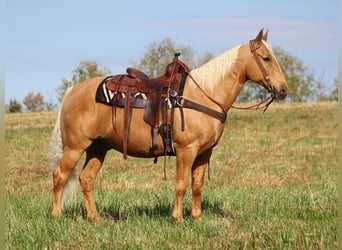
(197,218)
(178,220)
(56,215)
(93,217)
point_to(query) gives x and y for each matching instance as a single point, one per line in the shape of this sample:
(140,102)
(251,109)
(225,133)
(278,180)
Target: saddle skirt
(117,99)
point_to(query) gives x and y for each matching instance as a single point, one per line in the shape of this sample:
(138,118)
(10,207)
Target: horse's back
(85,90)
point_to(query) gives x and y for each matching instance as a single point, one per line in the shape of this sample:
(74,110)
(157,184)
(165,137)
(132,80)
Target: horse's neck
(222,77)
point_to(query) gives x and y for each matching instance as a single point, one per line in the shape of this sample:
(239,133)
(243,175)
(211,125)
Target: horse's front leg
(185,159)
(198,172)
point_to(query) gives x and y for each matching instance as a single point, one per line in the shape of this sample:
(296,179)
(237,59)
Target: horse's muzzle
(279,94)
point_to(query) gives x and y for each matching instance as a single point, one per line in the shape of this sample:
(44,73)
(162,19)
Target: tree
(251,92)
(324,96)
(159,55)
(86,70)
(202,59)
(34,102)
(334,92)
(14,106)
(301,82)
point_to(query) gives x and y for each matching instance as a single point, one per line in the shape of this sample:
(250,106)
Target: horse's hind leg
(95,156)
(60,176)
(198,172)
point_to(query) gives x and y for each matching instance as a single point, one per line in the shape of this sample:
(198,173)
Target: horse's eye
(266,59)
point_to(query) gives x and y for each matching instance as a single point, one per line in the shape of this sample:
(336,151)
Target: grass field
(273,186)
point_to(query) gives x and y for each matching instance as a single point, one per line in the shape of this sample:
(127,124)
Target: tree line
(302,83)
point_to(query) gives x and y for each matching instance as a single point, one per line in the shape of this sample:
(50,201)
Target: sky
(45,40)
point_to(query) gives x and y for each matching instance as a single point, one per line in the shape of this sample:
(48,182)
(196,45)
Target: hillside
(273,184)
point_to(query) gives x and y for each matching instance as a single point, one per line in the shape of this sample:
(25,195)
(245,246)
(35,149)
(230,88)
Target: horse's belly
(139,142)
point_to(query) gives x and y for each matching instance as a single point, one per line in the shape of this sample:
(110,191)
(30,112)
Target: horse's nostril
(282,93)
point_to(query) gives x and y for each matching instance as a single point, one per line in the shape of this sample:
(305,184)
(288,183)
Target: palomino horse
(86,126)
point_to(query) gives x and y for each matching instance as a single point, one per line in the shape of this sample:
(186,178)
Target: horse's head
(263,67)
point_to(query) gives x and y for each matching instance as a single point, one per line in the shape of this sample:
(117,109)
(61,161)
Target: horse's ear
(259,37)
(264,37)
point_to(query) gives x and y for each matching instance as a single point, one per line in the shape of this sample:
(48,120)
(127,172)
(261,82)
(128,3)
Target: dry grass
(26,142)
(18,121)
(282,147)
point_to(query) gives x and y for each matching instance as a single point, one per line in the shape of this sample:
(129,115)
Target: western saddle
(128,89)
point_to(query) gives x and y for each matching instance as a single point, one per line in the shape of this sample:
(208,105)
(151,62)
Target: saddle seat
(137,74)
(155,89)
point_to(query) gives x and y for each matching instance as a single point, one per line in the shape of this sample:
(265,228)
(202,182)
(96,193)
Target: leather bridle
(268,85)
(254,47)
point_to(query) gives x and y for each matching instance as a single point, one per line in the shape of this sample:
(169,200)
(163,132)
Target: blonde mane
(210,73)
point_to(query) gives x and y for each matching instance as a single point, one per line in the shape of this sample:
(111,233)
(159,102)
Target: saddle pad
(111,98)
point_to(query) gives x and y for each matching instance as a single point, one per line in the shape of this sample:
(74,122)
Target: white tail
(55,153)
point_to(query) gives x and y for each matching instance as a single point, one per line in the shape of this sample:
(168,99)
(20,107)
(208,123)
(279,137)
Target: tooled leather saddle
(128,90)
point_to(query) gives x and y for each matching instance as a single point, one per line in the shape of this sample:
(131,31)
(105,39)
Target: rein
(202,90)
(268,100)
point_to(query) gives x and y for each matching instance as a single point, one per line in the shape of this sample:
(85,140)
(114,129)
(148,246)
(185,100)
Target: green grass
(273,186)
